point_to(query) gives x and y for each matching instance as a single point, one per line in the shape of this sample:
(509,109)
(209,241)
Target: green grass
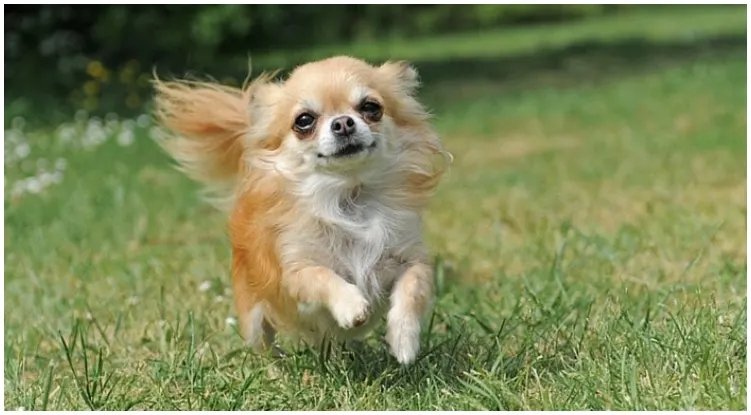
(589,239)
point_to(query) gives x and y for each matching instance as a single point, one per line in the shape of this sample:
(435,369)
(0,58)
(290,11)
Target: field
(589,239)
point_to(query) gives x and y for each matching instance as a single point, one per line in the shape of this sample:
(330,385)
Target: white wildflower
(95,133)
(46,179)
(23,150)
(111,126)
(143,120)
(205,286)
(125,138)
(33,185)
(66,133)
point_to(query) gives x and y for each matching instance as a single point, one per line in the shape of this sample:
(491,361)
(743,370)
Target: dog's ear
(402,74)
(206,127)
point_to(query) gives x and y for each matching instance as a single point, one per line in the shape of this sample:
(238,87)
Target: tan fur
(222,135)
(206,121)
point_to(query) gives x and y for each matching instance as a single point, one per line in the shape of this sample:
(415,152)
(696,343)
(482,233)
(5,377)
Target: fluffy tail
(205,125)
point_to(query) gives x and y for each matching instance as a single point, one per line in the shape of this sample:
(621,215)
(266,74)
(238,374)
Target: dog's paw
(403,337)
(350,309)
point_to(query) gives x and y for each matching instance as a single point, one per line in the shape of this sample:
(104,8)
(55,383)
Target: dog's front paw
(350,308)
(403,336)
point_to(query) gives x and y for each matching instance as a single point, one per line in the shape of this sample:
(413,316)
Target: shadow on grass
(580,61)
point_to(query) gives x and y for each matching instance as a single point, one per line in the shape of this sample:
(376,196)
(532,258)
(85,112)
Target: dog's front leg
(321,286)
(410,299)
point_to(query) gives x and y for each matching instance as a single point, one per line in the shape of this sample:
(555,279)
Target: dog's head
(343,116)
(338,117)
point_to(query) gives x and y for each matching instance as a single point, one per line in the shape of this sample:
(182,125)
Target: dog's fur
(322,245)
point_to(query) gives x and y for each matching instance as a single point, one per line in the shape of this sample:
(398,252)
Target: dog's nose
(343,126)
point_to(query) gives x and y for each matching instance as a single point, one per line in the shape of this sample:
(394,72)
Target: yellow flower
(91,88)
(95,69)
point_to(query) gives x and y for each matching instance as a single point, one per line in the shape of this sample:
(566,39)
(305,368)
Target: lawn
(590,245)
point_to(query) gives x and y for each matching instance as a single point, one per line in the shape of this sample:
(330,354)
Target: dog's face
(336,123)
(342,115)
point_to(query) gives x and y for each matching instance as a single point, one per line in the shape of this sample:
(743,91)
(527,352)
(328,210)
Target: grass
(589,243)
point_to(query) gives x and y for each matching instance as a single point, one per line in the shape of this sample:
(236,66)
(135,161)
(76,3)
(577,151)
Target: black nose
(343,126)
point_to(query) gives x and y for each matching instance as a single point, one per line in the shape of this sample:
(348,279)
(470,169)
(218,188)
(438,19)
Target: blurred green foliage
(69,54)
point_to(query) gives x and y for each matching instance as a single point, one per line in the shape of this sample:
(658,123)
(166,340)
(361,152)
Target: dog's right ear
(206,124)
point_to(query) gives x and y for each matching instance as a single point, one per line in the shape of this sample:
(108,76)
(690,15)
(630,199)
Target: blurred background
(100,58)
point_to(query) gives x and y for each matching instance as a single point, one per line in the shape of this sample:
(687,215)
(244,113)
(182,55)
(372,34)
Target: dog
(324,177)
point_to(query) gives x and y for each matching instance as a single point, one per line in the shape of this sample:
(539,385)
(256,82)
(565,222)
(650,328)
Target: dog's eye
(372,110)
(304,122)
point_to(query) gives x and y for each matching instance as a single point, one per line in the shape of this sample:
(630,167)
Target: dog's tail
(205,124)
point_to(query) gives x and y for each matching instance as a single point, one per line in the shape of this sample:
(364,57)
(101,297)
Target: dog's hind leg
(259,334)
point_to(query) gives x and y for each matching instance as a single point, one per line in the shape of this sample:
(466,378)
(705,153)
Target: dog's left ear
(402,74)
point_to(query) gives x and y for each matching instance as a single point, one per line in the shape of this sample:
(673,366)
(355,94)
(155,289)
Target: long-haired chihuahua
(324,177)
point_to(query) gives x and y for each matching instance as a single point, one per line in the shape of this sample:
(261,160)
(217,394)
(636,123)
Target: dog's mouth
(349,150)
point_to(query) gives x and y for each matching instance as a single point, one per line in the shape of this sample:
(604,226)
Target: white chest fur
(368,243)
(363,239)
(359,233)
